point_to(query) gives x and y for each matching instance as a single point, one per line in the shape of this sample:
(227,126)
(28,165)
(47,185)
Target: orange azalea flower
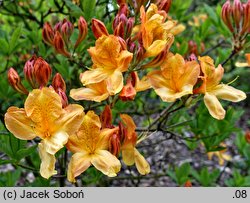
(222,156)
(89,146)
(213,90)
(110,59)
(154,32)
(130,154)
(175,79)
(43,116)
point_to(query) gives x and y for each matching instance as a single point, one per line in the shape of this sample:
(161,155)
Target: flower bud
(188,183)
(246,18)
(192,48)
(29,72)
(67,30)
(119,31)
(164,5)
(42,72)
(58,26)
(114,144)
(247,136)
(48,34)
(58,82)
(99,28)
(64,98)
(15,81)
(60,45)
(106,117)
(83,30)
(226,13)
(119,2)
(237,10)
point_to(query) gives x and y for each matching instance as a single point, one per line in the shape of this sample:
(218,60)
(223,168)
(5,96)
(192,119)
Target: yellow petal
(143,84)
(115,83)
(79,163)
(141,163)
(105,162)
(88,94)
(214,106)
(178,29)
(128,155)
(124,60)
(43,106)
(19,124)
(47,167)
(94,76)
(71,119)
(103,142)
(157,80)
(228,93)
(128,121)
(155,48)
(55,142)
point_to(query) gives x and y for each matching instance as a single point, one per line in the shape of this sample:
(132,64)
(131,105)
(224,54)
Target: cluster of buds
(237,18)
(36,71)
(122,25)
(59,86)
(59,36)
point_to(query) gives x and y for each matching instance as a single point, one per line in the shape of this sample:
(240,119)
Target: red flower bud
(42,72)
(60,45)
(99,28)
(64,98)
(119,31)
(247,136)
(15,81)
(83,30)
(106,117)
(237,10)
(188,183)
(29,72)
(164,5)
(246,18)
(48,34)
(114,144)
(58,82)
(67,30)
(226,14)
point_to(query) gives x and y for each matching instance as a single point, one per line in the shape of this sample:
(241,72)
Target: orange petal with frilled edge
(87,136)
(55,142)
(141,163)
(47,167)
(19,124)
(94,76)
(43,106)
(155,48)
(128,155)
(105,162)
(228,93)
(115,83)
(103,142)
(157,80)
(71,119)
(214,106)
(79,163)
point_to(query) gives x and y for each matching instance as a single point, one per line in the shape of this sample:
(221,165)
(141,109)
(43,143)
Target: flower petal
(19,124)
(128,155)
(55,142)
(141,163)
(94,76)
(79,163)
(71,119)
(228,93)
(104,137)
(43,106)
(214,106)
(115,83)
(155,48)
(47,167)
(105,162)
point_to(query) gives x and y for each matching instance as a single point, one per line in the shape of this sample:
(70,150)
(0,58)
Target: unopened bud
(42,72)
(64,98)
(247,136)
(188,183)
(106,117)
(99,28)
(192,57)
(246,18)
(119,30)
(83,30)
(67,30)
(164,5)
(226,14)
(29,72)
(15,81)
(129,27)
(237,12)
(58,82)
(48,34)
(114,144)
(58,26)
(192,48)
(60,45)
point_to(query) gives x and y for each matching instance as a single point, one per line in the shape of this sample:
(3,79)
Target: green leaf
(75,10)
(25,152)
(4,46)
(182,173)
(14,39)
(88,8)
(3,162)
(211,13)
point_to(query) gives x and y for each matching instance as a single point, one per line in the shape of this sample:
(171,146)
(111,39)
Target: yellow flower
(222,156)
(154,31)
(130,154)
(110,59)
(89,146)
(175,79)
(213,90)
(43,116)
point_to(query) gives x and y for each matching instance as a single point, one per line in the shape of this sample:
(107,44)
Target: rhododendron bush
(90,88)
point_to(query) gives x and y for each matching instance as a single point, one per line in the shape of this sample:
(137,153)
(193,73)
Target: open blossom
(155,32)
(221,155)
(89,145)
(44,117)
(175,79)
(213,90)
(110,59)
(130,155)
